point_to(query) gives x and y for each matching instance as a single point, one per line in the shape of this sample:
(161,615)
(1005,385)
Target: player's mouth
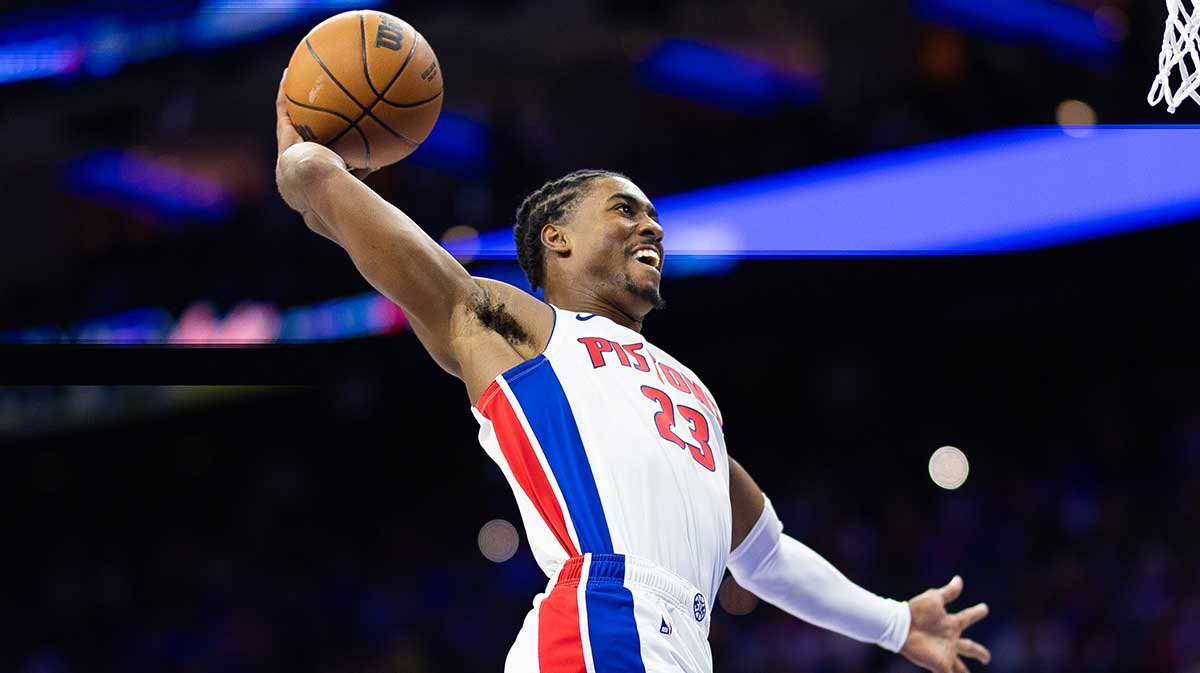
(650,256)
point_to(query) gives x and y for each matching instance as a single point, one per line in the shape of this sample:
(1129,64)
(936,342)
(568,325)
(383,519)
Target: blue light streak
(997,192)
(102,41)
(1073,32)
(711,76)
(123,179)
(34,59)
(360,315)
(1003,191)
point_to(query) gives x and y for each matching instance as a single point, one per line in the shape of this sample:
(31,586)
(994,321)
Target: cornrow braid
(548,204)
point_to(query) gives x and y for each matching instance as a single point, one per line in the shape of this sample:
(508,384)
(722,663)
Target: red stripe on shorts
(523,462)
(560,645)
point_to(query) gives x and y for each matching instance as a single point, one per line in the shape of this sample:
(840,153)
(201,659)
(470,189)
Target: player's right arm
(786,573)
(474,329)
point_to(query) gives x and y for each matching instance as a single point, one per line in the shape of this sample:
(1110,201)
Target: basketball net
(1178,55)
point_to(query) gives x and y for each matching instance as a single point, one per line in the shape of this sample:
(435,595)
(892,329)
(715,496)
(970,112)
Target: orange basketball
(367,85)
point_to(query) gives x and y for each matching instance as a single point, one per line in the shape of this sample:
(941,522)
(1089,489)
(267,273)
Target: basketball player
(613,448)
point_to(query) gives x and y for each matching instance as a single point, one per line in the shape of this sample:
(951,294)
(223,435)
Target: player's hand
(294,150)
(288,138)
(935,637)
(294,154)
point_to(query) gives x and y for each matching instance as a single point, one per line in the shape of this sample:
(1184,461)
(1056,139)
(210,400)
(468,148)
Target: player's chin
(643,283)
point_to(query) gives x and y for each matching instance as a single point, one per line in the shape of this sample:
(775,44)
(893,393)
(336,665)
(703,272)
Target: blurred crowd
(269,534)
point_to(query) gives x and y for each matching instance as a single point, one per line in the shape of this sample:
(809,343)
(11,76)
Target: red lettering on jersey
(639,360)
(620,353)
(664,418)
(675,378)
(597,347)
(699,426)
(657,372)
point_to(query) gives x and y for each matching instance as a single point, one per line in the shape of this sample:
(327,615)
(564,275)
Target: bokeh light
(948,467)
(1076,118)
(468,239)
(498,540)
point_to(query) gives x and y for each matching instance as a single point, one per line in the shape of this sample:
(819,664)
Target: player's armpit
(495,328)
(522,319)
(503,327)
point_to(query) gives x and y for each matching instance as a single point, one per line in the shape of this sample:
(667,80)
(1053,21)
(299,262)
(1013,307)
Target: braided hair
(548,204)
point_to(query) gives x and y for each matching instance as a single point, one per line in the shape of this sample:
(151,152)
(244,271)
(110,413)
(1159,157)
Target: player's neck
(586,302)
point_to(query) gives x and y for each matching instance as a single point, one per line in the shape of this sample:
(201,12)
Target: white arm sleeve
(785,573)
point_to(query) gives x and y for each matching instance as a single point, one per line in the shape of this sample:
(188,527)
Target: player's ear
(554,238)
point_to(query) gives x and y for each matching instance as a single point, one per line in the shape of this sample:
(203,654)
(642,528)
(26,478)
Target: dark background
(331,527)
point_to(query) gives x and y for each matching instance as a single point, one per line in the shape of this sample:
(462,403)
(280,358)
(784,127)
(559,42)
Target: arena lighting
(712,76)
(247,323)
(217,23)
(129,179)
(997,192)
(44,43)
(35,59)
(1074,32)
(1003,191)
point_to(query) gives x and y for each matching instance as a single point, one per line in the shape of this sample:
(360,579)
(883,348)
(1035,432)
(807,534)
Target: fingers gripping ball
(367,85)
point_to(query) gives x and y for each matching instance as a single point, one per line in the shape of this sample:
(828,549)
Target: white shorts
(611,613)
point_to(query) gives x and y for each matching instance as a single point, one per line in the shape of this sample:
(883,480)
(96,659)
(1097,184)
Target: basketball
(365,84)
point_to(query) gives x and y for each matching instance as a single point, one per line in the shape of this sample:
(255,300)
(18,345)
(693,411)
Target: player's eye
(624,208)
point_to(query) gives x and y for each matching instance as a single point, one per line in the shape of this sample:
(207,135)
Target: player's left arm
(784,572)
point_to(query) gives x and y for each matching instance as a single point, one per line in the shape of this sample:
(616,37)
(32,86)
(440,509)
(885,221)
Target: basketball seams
(366,110)
(399,71)
(318,108)
(330,74)
(350,124)
(362,33)
(394,132)
(411,105)
(366,145)
(383,96)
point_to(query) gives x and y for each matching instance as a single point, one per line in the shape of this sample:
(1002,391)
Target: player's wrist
(306,163)
(301,168)
(899,626)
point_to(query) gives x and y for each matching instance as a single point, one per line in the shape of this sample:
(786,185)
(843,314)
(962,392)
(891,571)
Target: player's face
(619,243)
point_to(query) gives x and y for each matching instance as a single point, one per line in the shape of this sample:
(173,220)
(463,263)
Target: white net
(1178,62)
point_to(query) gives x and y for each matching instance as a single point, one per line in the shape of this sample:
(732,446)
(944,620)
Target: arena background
(333,524)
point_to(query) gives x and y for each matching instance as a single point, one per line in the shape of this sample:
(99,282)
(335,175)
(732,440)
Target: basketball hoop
(1179,55)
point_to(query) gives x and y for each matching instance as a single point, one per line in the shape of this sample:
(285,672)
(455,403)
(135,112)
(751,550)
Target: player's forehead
(612,187)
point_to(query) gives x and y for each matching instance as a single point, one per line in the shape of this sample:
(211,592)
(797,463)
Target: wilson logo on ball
(388,35)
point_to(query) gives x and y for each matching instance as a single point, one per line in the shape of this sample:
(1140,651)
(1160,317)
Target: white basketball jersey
(612,446)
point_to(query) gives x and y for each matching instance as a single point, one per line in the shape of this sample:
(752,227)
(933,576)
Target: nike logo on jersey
(584,316)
